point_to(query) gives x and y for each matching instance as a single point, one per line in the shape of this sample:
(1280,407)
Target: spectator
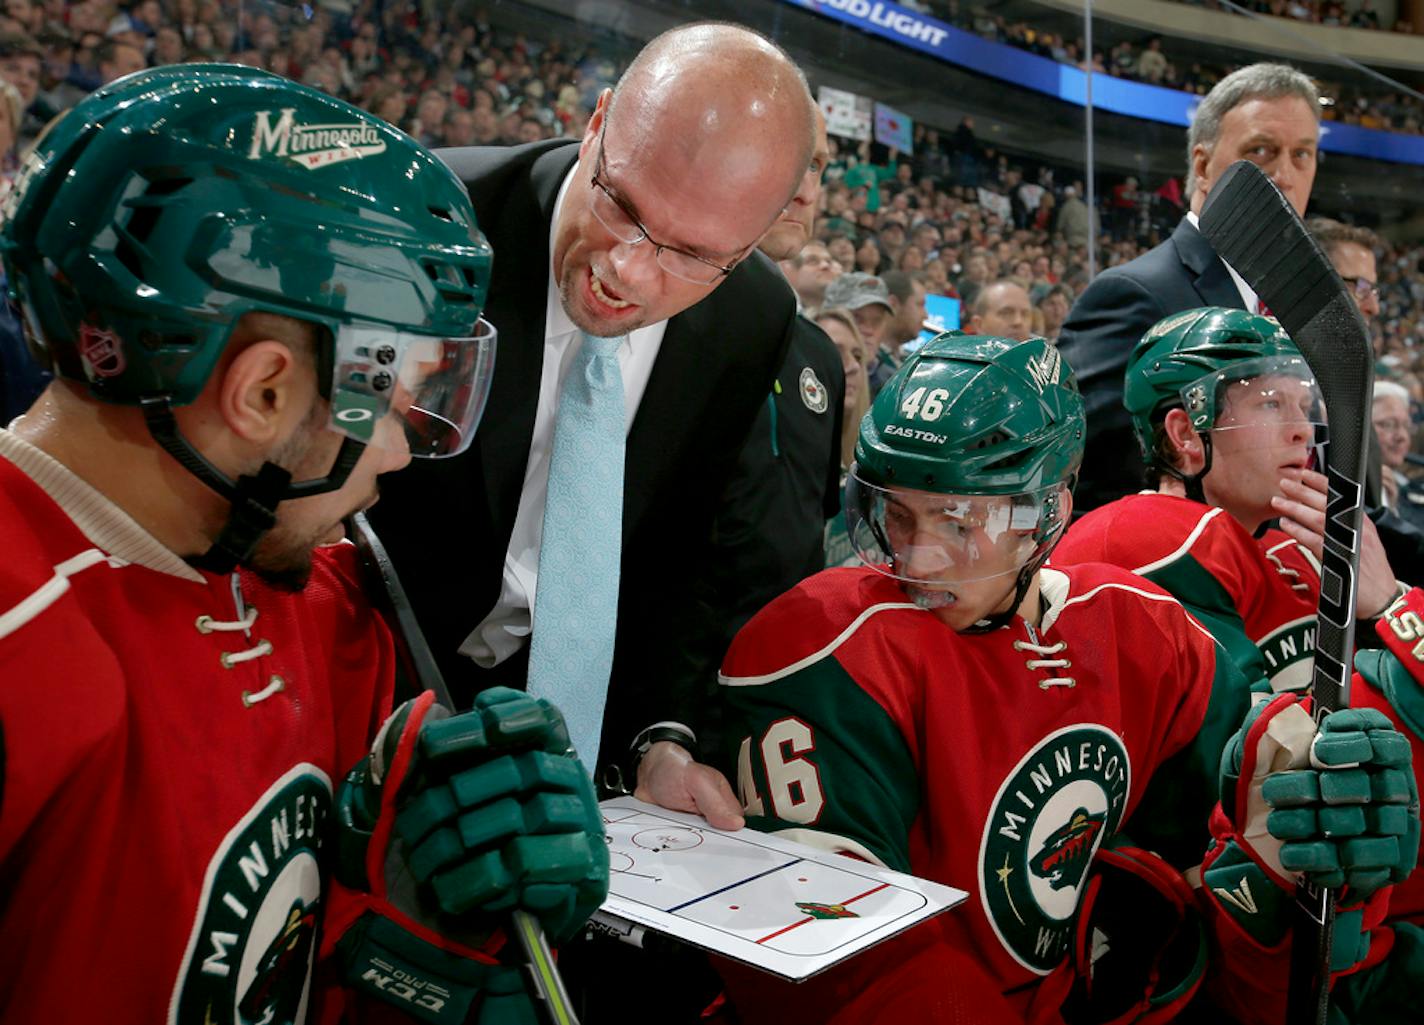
(907,297)
(460,128)
(1073,218)
(429,123)
(1151,64)
(867,299)
(168,46)
(21,379)
(1001,309)
(1393,429)
(1054,305)
(809,272)
(840,327)
(20,63)
(869,257)
(116,58)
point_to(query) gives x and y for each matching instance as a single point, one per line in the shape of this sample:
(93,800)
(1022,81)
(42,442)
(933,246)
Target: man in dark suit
(1266,113)
(645,230)
(770,530)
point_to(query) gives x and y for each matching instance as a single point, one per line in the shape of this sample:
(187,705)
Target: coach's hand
(668,776)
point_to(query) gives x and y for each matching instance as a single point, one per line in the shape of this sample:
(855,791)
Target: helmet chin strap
(990,623)
(1193,481)
(254,498)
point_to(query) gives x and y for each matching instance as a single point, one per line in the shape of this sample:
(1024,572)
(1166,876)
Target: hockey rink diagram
(749,890)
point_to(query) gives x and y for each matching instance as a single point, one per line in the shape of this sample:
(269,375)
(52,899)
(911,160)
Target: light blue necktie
(576,598)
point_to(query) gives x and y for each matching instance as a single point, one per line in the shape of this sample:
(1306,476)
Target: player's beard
(283,556)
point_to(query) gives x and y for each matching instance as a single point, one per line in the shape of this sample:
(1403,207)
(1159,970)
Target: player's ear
(1186,446)
(265,391)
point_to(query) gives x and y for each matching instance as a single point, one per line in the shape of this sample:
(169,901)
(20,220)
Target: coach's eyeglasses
(1363,288)
(624,225)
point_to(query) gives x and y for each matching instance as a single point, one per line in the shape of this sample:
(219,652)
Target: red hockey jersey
(1207,559)
(168,779)
(994,762)
(1266,588)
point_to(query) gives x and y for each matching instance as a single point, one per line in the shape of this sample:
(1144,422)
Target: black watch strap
(675,732)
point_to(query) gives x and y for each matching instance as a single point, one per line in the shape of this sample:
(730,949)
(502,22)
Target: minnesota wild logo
(825,910)
(250,954)
(1048,819)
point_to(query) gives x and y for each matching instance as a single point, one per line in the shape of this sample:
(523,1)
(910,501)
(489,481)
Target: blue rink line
(733,886)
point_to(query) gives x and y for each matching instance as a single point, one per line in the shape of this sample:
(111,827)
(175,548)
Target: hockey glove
(1331,806)
(448,823)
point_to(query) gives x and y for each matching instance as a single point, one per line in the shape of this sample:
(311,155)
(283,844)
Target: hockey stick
(1256,231)
(421,672)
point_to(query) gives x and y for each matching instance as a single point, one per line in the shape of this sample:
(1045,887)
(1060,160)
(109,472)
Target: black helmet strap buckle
(254,498)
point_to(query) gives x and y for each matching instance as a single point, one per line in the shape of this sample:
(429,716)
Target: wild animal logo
(813,393)
(250,954)
(816,910)
(312,146)
(1063,858)
(1051,814)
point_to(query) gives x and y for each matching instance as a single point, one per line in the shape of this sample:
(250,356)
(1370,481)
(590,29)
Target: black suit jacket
(447,523)
(1108,319)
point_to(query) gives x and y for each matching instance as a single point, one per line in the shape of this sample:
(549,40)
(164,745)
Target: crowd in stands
(1145,60)
(952,217)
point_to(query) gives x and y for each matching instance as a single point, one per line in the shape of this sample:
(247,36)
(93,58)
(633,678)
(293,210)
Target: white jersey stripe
(1087,595)
(50,591)
(1185,546)
(795,667)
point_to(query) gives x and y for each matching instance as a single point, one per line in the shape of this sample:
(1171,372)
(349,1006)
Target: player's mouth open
(604,294)
(929,597)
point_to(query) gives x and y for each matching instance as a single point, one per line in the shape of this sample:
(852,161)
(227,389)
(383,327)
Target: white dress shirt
(506,629)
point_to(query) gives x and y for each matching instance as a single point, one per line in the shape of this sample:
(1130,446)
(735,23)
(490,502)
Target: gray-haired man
(1266,113)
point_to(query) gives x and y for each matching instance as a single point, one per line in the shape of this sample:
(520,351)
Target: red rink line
(808,918)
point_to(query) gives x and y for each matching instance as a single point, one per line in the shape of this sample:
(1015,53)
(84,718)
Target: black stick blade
(1256,230)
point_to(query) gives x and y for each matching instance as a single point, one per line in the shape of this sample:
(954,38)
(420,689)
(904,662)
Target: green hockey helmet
(167,205)
(1203,361)
(170,203)
(977,440)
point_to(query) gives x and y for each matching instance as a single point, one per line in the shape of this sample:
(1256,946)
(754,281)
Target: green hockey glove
(453,821)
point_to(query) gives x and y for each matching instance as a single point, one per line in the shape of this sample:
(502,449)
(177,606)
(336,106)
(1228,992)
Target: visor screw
(386,354)
(381,381)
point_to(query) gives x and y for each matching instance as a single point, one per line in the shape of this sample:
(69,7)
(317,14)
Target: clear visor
(411,392)
(921,536)
(1273,392)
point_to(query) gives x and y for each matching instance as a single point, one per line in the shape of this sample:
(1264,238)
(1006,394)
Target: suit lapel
(519,232)
(1209,275)
(673,393)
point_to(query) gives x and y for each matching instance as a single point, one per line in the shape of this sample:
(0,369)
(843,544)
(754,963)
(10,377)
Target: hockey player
(256,298)
(1227,414)
(959,710)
